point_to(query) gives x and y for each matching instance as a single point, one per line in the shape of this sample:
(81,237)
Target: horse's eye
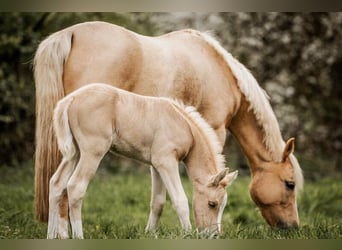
(212,204)
(290,185)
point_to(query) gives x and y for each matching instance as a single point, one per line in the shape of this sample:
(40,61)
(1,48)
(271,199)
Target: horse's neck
(250,135)
(200,161)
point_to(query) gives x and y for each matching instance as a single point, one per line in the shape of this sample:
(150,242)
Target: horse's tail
(62,129)
(48,73)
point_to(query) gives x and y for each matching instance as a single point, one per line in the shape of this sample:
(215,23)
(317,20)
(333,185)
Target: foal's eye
(212,204)
(290,185)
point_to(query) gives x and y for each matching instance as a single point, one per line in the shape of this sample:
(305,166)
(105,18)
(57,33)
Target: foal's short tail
(62,129)
(48,73)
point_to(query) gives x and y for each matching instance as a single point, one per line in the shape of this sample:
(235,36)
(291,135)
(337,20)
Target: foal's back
(133,125)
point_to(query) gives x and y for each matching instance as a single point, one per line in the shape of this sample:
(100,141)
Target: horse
(187,65)
(155,130)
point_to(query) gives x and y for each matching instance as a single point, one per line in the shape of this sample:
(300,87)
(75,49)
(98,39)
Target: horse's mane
(259,104)
(206,130)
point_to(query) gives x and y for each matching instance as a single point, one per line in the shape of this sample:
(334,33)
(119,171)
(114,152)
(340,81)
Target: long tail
(48,73)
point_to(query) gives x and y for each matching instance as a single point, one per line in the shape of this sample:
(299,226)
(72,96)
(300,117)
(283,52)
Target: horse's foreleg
(169,173)
(158,199)
(221,133)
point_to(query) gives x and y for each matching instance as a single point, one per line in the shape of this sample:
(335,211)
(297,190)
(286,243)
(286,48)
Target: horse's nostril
(286,225)
(281,225)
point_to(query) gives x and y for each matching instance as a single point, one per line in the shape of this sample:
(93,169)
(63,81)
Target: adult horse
(187,65)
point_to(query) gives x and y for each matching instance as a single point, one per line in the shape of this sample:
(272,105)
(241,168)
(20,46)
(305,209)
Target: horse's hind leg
(57,225)
(158,198)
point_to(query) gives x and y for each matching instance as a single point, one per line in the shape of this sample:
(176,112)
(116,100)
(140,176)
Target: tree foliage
(297,58)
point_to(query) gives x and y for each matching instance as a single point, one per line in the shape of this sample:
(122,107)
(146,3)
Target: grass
(117,207)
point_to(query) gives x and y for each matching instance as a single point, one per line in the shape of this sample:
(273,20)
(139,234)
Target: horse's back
(102,52)
(179,65)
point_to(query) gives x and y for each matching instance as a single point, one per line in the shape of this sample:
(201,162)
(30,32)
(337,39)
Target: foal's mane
(259,104)
(205,129)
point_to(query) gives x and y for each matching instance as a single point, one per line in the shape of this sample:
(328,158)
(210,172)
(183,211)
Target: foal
(157,131)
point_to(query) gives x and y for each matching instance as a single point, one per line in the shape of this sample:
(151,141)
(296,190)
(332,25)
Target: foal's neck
(250,136)
(200,161)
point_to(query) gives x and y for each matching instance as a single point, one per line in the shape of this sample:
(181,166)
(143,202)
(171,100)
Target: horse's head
(273,189)
(210,199)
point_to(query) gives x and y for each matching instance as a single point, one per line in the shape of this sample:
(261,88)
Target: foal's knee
(181,206)
(157,205)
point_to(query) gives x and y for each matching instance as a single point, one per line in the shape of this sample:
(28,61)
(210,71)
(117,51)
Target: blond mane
(259,104)
(206,130)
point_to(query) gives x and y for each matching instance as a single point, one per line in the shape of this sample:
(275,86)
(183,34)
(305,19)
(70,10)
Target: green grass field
(117,207)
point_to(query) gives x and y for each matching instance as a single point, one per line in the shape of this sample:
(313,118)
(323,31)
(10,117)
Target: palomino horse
(154,130)
(187,65)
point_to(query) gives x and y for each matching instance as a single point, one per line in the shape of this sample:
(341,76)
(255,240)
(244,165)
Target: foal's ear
(224,178)
(230,178)
(216,180)
(289,148)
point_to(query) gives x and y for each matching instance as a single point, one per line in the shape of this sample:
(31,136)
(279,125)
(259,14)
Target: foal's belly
(131,150)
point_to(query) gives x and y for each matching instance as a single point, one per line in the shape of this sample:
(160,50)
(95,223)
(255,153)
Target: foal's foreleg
(158,198)
(169,173)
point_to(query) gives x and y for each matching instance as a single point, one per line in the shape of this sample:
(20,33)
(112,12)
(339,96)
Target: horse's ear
(289,148)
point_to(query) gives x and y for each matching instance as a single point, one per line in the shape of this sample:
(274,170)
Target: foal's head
(273,189)
(210,199)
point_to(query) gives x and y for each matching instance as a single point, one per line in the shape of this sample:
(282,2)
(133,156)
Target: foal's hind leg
(63,224)
(78,183)
(158,198)
(57,225)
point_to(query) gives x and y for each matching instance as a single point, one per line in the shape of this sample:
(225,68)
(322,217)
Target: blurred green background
(296,58)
